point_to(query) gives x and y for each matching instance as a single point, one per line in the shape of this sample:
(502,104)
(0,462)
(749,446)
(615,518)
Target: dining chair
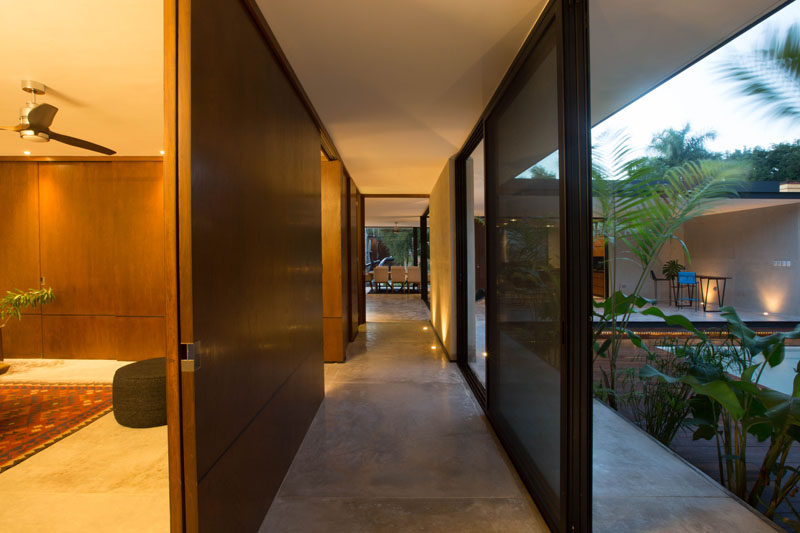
(656,281)
(414,277)
(398,276)
(381,276)
(688,281)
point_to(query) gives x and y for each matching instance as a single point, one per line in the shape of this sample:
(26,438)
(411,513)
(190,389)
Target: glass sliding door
(523,168)
(537,221)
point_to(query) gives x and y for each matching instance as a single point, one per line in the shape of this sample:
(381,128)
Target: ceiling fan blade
(18,127)
(41,116)
(80,143)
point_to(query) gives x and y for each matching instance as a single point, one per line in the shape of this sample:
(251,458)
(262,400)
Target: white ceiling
(385,212)
(103,63)
(399,85)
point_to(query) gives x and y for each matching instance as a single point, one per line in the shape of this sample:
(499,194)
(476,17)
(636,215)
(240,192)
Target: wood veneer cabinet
(94,231)
(335,293)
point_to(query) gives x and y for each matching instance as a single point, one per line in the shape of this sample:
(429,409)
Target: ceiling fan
(35,120)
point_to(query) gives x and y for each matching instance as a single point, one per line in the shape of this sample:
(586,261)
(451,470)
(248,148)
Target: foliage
(641,210)
(671,268)
(657,406)
(399,245)
(770,75)
(781,162)
(729,409)
(531,275)
(12,304)
(676,147)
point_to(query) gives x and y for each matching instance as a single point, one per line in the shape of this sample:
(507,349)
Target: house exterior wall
(744,246)
(442,261)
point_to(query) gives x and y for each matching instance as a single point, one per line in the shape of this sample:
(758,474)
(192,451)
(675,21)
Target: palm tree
(675,147)
(641,210)
(771,74)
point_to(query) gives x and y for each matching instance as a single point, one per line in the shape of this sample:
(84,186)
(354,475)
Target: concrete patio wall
(745,245)
(628,269)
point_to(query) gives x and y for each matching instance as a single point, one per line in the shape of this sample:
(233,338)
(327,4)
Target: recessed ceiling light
(425,328)
(163,152)
(766,314)
(27,152)
(433,347)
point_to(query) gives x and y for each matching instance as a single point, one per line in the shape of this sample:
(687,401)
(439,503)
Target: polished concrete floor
(388,307)
(400,444)
(639,485)
(103,477)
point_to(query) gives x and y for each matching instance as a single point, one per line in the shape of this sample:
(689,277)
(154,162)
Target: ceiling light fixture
(27,152)
(163,152)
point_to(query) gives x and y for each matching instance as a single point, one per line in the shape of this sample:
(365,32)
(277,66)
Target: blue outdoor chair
(687,290)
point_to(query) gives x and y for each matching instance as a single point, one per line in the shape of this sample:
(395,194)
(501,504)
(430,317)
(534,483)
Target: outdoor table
(720,293)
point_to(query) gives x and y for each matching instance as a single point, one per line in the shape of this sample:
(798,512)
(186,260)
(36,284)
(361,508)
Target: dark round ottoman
(140,394)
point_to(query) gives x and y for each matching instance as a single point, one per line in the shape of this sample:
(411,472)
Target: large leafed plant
(641,210)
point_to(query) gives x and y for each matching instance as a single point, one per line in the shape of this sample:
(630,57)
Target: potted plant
(671,269)
(11,306)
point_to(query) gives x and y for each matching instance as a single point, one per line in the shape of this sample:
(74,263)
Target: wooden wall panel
(335,265)
(255,267)
(334,340)
(139,239)
(19,239)
(19,251)
(94,337)
(103,337)
(333,276)
(140,337)
(77,236)
(23,338)
(95,232)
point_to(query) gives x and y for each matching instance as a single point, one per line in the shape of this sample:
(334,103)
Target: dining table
(720,291)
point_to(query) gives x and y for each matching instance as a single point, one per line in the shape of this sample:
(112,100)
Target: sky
(700,97)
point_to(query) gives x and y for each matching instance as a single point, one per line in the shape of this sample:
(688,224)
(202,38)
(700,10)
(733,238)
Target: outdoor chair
(656,281)
(381,276)
(414,277)
(687,290)
(398,276)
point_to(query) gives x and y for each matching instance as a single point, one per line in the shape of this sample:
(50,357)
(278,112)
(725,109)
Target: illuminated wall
(746,246)
(442,260)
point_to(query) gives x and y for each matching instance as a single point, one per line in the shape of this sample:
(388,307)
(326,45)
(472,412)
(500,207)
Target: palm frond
(771,74)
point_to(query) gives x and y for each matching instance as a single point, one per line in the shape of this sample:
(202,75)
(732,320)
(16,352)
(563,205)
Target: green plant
(12,304)
(671,268)
(771,74)
(657,406)
(641,211)
(729,409)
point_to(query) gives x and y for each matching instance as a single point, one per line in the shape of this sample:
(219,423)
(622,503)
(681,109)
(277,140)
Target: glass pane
(522,136)
(476,264)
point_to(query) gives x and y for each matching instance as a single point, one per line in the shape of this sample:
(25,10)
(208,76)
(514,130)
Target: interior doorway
(395,244)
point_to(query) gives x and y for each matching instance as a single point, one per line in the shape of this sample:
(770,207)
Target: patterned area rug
(35,415)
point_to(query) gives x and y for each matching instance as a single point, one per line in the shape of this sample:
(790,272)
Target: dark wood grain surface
(255,266)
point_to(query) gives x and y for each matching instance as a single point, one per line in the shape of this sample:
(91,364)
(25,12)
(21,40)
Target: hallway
(399,444)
